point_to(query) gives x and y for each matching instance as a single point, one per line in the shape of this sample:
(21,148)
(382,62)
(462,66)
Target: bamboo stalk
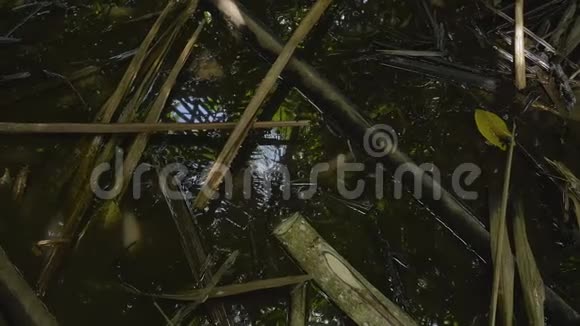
(17,300)
(498,254)
(239,134)
(111,105)
(359,299)
(519,46)
(531,34)
(129,128)
(235,289)
(298,305)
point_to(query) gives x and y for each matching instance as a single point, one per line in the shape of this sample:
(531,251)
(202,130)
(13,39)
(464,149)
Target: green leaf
(493,128)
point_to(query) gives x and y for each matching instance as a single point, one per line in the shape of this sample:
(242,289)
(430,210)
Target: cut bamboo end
(287,224)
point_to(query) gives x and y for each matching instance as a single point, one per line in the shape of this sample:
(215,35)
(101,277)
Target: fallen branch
(498,255)
(80,186)
(225,158)
(130,128)
(234,289)
(138,146)
(506,285)
(443,72)
(412,53)
(531,34)
(19,303)
(361,301)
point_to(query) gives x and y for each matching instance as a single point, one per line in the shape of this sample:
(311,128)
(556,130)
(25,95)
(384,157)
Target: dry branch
(234,289)
(193,248)
(19,303)
(80,184)
(501,231)
(506,286)
(239,134)
(130,128)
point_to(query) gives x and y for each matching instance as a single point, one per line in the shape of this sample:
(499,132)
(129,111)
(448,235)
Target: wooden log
(337,108)
(361,301)
(18,303)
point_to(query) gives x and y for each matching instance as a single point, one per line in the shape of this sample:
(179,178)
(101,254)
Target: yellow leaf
(493,128)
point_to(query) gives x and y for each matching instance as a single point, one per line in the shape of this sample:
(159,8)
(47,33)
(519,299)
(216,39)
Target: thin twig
(68,82)
(501,231)
(412,53)
(34,12)
(8,40)
(129,128)
(574,75)
(183,313)
(533,35)
(226,290)
(167,320)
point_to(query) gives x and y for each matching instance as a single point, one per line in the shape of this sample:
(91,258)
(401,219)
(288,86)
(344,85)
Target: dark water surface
(441,281)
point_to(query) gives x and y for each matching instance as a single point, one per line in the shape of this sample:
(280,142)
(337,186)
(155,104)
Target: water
(442,281)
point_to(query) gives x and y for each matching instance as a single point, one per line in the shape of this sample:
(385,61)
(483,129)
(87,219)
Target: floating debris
(20,183)
(5,179)
(206,68)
